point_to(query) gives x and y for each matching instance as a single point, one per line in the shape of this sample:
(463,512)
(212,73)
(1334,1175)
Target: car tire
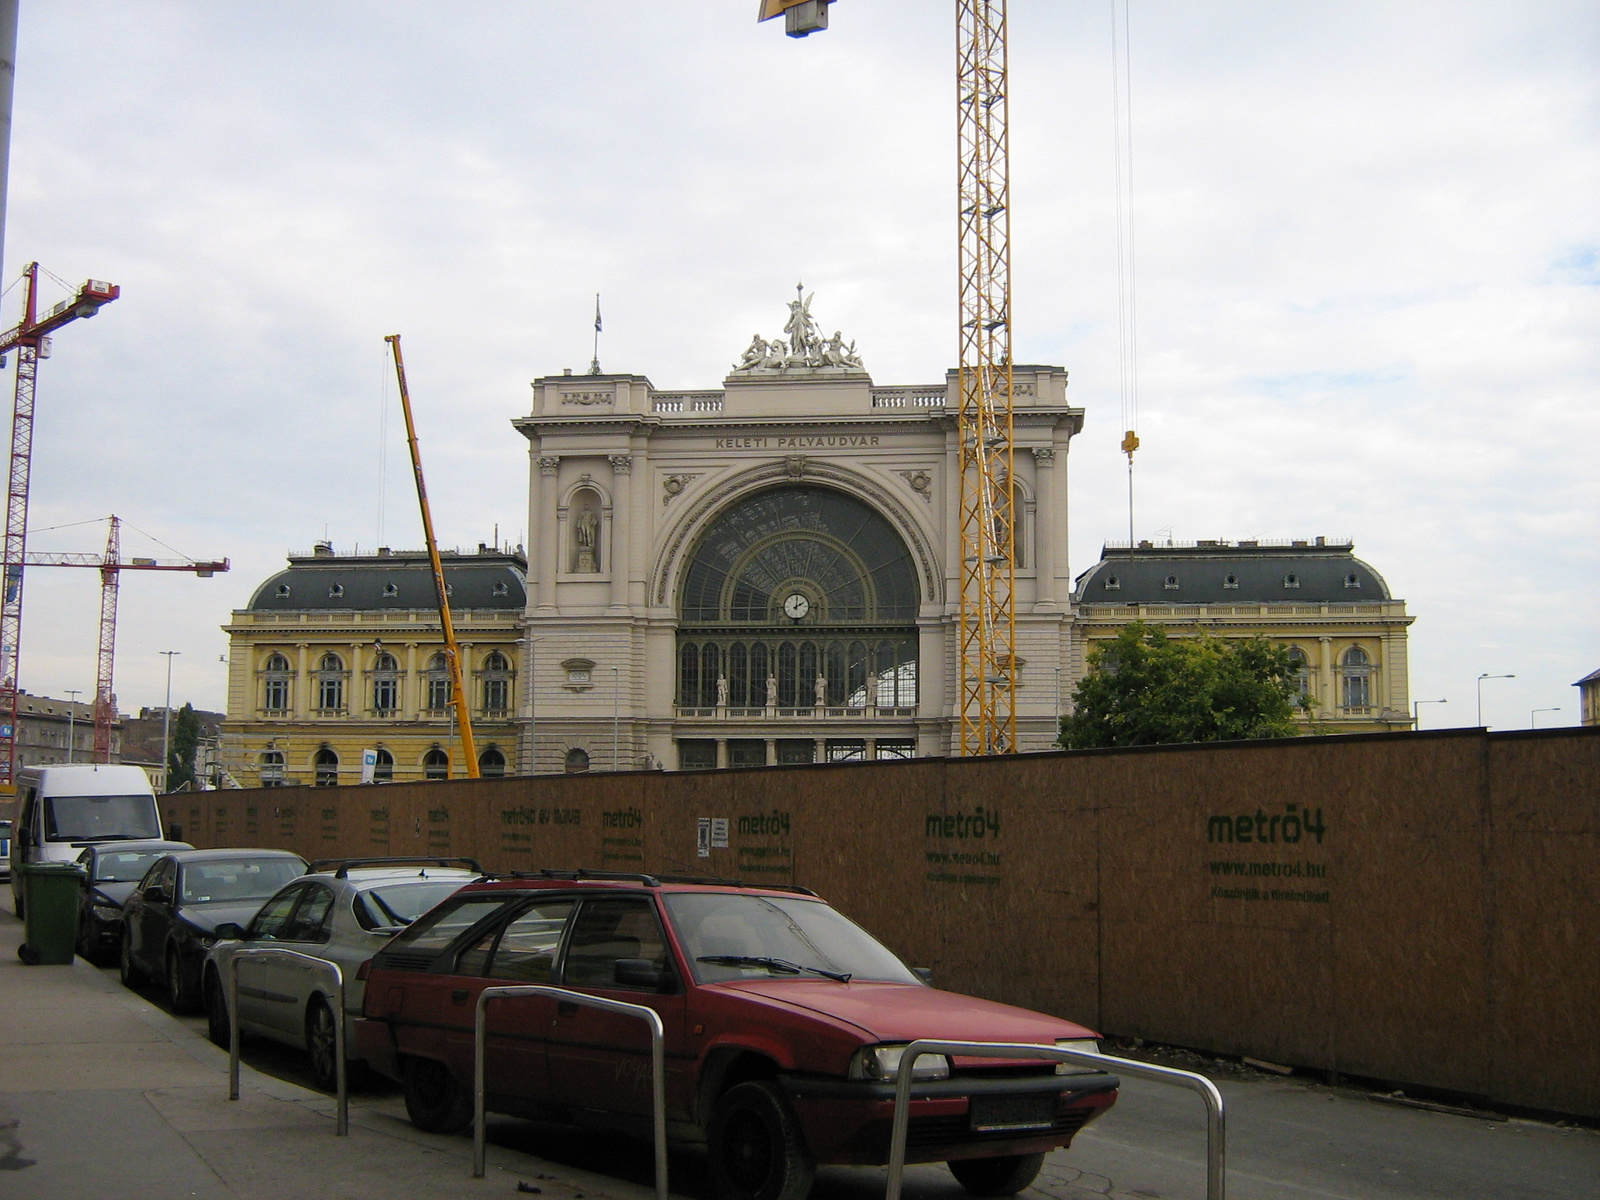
(321,1045)
(757,1151)
(1004,1176)
(181,996)
(435,1100)
(217,1012)
(132,976)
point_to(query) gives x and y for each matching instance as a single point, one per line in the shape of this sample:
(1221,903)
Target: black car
(170,919)
(111,870)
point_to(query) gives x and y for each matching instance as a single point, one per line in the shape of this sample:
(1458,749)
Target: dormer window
(1113,584)
(1231,583)
(1352,580)
(391,590)
(1171,584)
(502,588)
(336,591)
(1291,580)
(283,591)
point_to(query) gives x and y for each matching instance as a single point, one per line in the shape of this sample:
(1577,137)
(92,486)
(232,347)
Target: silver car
(341,911)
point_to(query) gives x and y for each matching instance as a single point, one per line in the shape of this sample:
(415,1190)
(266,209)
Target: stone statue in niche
(872,689)
(586,534)
(772,691)
(722,691)
(821,689)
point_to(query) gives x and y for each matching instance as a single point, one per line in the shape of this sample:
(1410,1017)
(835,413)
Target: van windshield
(99,818)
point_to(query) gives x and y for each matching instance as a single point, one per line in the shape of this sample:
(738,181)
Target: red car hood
(903,1012)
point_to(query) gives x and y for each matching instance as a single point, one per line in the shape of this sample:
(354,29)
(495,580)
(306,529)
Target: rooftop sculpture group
(802,348)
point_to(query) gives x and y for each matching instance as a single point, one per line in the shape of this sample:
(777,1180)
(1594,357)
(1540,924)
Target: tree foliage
(185,741)
(1145,689)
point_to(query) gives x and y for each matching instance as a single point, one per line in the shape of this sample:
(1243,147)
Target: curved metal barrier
(658,1075)
(1216,1130)
(342,1124)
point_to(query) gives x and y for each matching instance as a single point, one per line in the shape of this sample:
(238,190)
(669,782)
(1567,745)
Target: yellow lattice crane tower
(983,426)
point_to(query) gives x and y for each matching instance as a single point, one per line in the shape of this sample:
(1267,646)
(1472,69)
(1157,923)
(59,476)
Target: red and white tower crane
(30,339)
(111,567)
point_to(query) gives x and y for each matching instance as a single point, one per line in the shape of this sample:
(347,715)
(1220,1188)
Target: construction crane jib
(987,632)
(30,340)
(452,651)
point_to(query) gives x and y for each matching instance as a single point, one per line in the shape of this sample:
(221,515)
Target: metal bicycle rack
(658,1076)
(1216,1130)
(342,1124)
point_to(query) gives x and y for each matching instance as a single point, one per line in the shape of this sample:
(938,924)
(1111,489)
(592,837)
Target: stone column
(411,701)
(772,752)
(621,549)
(548,534)
(355,698)
(1325,682)
(722,752)
(302,681)
(1044,482)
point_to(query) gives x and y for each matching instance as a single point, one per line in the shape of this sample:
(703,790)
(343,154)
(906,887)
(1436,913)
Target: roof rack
(345,865)
(652,881)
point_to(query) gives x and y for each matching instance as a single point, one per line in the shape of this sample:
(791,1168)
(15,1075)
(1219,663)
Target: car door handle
(459,996)
(566,1008)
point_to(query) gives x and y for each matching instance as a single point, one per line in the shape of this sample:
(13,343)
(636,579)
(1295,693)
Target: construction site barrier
(342,1123)
(658,1074)
(1216,1130)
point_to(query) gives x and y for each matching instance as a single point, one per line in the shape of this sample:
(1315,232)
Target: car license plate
(1033,1110)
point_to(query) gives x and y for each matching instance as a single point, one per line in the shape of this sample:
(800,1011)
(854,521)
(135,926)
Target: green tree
(185,741)
(1145,689)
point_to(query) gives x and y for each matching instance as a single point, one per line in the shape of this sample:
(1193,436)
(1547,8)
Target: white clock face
(796,606)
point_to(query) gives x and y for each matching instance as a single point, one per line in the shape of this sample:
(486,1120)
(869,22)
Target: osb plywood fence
(1420,908)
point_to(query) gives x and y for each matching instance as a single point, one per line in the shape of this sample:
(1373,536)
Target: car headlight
(102,913)
(882,1064)
(1088,1045)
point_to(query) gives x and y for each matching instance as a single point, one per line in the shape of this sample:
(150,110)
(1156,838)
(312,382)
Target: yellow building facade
(1333,611)
(341,654)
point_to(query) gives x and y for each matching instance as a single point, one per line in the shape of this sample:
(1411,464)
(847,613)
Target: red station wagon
(785,1024)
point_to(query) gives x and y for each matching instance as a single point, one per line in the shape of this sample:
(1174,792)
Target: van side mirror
(155,894)
(924,973)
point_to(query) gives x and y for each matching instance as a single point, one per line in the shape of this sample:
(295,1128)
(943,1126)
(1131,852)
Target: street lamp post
(1532,716)
(166,721)
(616,711)
(1481,678)
(1416,716)
(72,717)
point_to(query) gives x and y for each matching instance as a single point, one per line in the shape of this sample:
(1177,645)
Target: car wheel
(180,992)
(435,1101)
(216,1012)
(132,976)
(322,1045)
(757,1151)
(997,1176)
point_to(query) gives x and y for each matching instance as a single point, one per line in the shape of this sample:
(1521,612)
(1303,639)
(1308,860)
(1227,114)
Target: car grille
(925,1136)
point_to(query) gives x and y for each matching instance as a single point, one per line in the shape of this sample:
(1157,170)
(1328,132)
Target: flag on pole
(597,312)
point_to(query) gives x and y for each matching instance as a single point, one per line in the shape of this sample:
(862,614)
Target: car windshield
(402,903)
(789,932)
(237,878)
(123,866)
(93,818)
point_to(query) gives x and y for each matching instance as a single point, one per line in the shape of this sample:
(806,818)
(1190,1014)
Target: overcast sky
(1368,273)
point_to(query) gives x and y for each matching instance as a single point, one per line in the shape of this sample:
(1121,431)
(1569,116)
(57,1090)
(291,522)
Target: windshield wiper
(782,965)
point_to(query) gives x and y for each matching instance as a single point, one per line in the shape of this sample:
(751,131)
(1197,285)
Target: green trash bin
(50,894)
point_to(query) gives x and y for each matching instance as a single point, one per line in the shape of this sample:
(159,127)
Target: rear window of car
(450,920)
(402,903)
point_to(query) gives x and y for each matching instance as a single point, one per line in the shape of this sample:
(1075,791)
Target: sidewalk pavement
(104,1095)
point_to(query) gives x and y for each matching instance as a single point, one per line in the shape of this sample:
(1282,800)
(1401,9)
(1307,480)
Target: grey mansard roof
(325,581)
(1302,572)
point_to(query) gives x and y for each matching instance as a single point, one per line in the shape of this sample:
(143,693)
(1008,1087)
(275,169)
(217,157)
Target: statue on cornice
(802,348)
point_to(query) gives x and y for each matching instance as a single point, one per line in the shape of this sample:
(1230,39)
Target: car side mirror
(155,894)
(924,973)
(229,932)
(640,973)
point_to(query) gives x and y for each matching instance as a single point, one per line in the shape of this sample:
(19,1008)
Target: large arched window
(1356,669)
(438,681)
(275,676)
(496,685)
(326,764)
(1302,673)
(385,684)
(799,598)
(272,768)
(383,769)
(492,763)
(436,764)
(330,683)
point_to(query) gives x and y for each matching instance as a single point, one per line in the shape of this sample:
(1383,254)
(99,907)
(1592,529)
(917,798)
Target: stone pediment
(801,351)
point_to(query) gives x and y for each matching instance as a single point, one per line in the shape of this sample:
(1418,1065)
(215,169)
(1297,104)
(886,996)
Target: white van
(63,808)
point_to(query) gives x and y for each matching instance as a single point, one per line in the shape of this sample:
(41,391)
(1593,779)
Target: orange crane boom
(30,338)
(111,566)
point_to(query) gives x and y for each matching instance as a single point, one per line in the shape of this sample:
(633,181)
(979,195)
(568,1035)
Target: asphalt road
(1288,1139)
